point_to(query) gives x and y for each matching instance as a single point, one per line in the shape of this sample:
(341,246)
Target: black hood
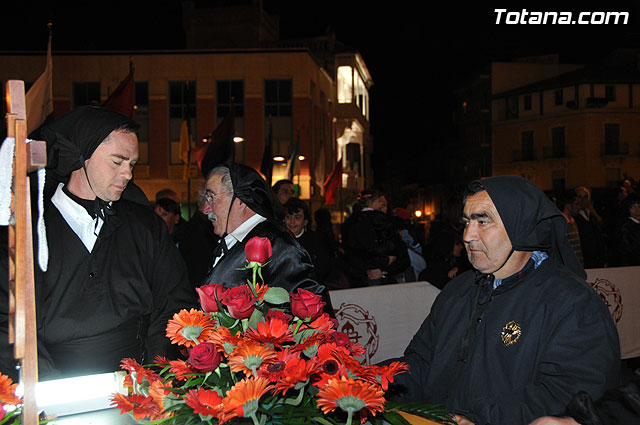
(252,189)
(531,220)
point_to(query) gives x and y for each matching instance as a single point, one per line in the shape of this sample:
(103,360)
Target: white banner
(619,287)
(383,318)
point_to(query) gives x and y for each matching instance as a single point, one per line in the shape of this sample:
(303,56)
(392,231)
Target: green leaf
(256,316)
(395,418)
(276,295)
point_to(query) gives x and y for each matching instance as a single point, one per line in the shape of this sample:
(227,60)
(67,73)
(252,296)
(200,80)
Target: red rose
(306,305)
(208,295)
(204,357)
(340,339)
(240,301)
(278,314)
(258,250)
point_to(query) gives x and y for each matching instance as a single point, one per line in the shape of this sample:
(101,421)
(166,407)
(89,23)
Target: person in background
(284,190)
(198,241)
(374,250)
(629,239)
(297,219)
(169,211)
(568,205)
(592,239)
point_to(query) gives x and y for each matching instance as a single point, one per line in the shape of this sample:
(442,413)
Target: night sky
(417,52)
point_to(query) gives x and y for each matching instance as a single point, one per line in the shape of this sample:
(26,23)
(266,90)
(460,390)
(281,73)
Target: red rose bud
(258,250)
(207,296)
(204,357)
(240,302)
(306,305)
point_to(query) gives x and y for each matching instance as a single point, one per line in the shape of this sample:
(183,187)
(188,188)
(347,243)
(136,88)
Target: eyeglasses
(211,197)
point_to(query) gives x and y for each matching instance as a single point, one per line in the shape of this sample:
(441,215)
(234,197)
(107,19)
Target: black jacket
(196,246)
(566,342)
(289,267)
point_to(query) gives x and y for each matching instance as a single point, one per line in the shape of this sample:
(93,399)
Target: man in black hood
(114,278)
(514,338)
(244,207)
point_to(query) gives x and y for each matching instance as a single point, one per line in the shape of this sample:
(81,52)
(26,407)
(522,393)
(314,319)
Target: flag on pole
(218,147)
(332,184)
(185,149)
(266,168)
(123,97)
(39,98)
(291,167)
(319,168)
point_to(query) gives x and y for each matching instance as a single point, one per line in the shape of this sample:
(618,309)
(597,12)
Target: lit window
(345,84)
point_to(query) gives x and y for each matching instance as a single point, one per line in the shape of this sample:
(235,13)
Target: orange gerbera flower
(242,399)
(276,370)
(382,375)
(249,356)
(189,328)
(137,371)
(204,402)
(182,370)
(140,406)
(274,331)
(8,391)
(296,370)
(224,341)
(351,396)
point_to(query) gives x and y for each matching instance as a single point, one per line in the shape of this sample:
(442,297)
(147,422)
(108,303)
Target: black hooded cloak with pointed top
(522,350)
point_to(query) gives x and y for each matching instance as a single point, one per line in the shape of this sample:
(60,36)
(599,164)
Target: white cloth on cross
(7,151)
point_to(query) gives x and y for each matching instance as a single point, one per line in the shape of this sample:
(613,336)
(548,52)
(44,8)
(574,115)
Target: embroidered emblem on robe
(511,333)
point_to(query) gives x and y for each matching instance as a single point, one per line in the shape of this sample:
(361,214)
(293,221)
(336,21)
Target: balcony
(522,156)
(614,149)
(554,152)
(597,102)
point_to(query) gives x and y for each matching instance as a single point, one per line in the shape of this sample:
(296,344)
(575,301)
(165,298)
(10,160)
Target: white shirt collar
(240,233)
(634,220)
(86,227)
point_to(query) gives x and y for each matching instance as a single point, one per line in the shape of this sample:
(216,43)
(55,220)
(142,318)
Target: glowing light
(301,157)
(418,213)
(278,158)
(238,139)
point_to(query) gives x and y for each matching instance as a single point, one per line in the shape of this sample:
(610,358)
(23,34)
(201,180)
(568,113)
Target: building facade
(282,93)
(579,128)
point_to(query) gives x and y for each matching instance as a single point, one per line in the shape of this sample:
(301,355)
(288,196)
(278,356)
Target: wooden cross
(22,310)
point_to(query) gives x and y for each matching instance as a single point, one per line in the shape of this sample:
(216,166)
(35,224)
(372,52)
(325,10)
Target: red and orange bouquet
(259,355)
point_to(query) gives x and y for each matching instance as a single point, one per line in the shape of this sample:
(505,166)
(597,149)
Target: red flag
(123,97)
(332,184)
(218,148)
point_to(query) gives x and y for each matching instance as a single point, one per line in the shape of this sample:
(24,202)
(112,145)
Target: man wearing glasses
(242,206)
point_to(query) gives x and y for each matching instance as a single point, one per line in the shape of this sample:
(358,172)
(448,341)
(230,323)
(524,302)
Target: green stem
(298,324)
(349,417)
(255,419)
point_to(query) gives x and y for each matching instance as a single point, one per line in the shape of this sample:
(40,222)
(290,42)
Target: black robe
(196,246)
(289,267)
(93,309)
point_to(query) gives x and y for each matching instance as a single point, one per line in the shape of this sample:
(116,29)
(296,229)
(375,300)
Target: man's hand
(374,274)
(550,420)
(461,420)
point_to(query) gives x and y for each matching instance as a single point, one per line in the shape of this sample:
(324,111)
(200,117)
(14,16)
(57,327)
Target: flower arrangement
(260,355)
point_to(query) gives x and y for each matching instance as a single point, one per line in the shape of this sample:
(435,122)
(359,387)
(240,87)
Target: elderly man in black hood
(114,278)
(244,207)
(515,338)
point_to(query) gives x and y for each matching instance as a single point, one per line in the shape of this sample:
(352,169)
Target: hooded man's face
(111,165)
(485,237)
